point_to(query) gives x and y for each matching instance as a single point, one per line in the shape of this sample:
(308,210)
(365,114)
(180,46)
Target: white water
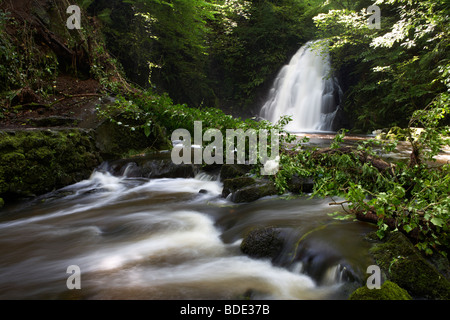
(135,238)
(304,90)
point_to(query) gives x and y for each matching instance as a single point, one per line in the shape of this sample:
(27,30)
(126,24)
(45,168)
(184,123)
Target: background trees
(390,73)
(211,52)
(226,53)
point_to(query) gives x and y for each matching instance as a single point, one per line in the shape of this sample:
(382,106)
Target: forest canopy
(227,53)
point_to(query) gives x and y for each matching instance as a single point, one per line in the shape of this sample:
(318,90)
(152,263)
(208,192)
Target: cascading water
(305,90)
(168,238)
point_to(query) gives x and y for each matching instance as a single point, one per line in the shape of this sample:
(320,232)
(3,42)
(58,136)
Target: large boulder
(388,291)
(262,188)
(404,265)
(232,185)
(153,166)
(263,243)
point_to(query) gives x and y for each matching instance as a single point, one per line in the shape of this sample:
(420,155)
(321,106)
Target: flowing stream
(136,238)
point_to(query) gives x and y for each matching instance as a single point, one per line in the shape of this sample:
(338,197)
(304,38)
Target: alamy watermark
(374,21)
(256,150)
(374,281)
(74,21)
(74,280)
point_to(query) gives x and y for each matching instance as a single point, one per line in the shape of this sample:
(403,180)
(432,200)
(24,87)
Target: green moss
(34,162)
(37,161)
(2,202)
(404,265)
(388,291)
(115,141)
(231,171)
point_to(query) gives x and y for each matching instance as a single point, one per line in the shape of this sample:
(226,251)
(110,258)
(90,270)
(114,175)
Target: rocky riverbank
(34,161)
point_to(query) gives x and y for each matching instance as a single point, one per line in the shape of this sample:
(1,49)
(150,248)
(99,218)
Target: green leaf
(147,131)
(437,221)
(407,228)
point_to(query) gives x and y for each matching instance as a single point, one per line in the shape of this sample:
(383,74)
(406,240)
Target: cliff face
(42,24)
(53,79)
(39,48)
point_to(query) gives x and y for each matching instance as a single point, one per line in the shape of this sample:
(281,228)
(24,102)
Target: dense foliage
(206,52)
(411,199)
(21,65)
(391,72)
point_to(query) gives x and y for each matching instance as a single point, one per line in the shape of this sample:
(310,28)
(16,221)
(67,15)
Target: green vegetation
(412,199)
(400,77)
(397,257)
(218,53)
(21,65)
(390,73)
(388,291)
(35,162)
(148,112)
(193,59)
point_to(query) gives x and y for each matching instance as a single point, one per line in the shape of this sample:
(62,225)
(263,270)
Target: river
(135,238)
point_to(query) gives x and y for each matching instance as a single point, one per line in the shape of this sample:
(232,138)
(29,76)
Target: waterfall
(305,90)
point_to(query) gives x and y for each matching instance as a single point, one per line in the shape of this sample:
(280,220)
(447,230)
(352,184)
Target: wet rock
(232,185)
(388,291)
(212,168)
(167,169)
(231,171)
(153,167)
(405,266)
(340,120)
(131,170)
(254,192)
(262,243)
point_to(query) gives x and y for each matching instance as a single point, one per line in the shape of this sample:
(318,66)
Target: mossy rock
(115,141)
(34,162)
(388,291)
(263,243)
(232,185)
(254,192)
(404,265)
(231,171)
